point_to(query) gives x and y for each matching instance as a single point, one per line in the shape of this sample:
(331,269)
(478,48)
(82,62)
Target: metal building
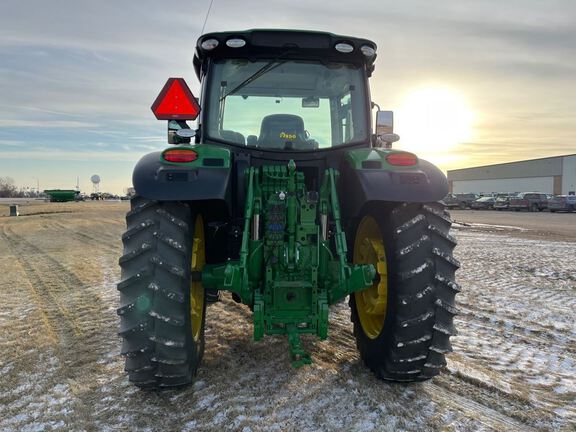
(552,175)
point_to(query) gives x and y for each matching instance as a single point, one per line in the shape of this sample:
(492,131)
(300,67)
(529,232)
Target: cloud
(51,154)
(100,28)
(82,75)
(11,143)
(45,124)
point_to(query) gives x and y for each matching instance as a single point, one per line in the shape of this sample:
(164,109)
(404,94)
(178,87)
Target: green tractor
(283,196)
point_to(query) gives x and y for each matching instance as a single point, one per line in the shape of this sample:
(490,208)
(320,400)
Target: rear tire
(414,338)
(162,329)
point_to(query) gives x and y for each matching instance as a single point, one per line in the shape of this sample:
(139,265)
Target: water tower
(95,179)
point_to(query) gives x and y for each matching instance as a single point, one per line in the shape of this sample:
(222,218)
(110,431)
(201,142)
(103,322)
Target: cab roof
(289,44)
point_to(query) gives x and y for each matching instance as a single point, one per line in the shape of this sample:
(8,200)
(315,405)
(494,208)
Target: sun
(433,120)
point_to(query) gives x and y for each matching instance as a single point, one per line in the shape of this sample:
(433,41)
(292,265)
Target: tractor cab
(291,91)
(283,90)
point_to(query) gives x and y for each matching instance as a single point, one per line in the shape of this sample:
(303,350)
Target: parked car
(532,201)
(461,201)
(502,202)
(562,203)
(484,203)
(450,201)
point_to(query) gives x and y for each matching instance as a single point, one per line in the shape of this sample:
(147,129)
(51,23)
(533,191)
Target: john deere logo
(284,135)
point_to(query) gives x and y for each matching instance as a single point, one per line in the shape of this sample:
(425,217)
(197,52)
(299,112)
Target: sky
(471,82)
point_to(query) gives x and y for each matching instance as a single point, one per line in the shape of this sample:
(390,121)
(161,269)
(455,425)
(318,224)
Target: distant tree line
(9,190)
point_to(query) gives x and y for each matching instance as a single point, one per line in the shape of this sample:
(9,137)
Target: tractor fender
(422,183)
(155,179)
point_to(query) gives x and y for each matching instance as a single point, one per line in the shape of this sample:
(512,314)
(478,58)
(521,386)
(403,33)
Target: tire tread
(416,335)
(154,321)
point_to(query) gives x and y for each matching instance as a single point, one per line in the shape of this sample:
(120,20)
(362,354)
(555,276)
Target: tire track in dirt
(542,337)
(456,392)
(488,405)
(78,334)
(537,373)
(98,239)
(41,292)
(517,328)
(559,301)
(475,389)
(480,384)
(487,416)
(489,383)
(72,311)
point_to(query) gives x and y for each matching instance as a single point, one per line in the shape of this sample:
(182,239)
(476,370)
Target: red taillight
(180,155)
(402,159)
(176,102)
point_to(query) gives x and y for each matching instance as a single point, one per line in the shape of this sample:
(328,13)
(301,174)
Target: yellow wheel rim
(371,304)
(196,288)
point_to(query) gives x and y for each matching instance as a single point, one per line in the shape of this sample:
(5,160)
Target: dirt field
(544,225)
(514,365)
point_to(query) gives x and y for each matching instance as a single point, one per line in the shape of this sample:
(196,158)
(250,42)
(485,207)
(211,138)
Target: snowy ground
(514,365)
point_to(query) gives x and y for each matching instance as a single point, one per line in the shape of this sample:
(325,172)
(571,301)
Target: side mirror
(179,132)
(389,138)
(385,135)
(384,122)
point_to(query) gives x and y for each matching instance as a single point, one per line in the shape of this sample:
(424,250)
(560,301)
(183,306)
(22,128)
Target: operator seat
(233,136)
(284,131)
